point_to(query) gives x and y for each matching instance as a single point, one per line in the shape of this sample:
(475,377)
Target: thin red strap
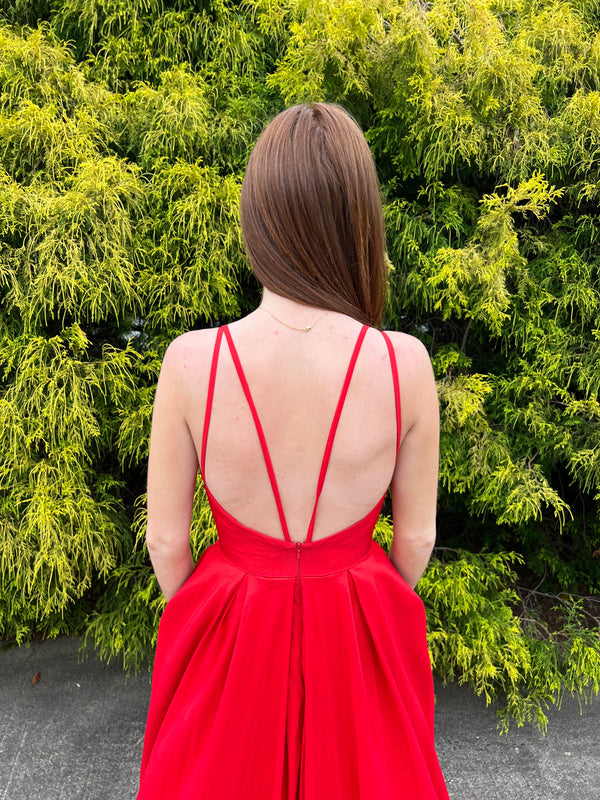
(209,398)
(394,366)
(259,430)
(334,425)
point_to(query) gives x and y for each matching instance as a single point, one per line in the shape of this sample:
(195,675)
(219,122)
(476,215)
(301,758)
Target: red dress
(292,671)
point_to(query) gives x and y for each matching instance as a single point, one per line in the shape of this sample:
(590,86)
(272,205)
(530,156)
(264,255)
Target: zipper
(298,548)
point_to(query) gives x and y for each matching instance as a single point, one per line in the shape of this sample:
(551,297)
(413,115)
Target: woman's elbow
(165,542)
(417,541)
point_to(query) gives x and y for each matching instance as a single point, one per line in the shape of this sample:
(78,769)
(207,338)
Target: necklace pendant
(308,327)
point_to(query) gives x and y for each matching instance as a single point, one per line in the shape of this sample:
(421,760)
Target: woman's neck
(291,313)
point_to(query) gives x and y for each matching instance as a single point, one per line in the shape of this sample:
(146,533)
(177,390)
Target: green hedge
(124,131)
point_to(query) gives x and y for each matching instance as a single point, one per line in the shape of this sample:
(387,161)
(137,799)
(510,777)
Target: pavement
(76,733)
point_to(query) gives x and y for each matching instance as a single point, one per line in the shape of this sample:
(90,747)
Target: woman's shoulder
(409,350)
(416,377)
(188,355)
(417,382)
(192,344)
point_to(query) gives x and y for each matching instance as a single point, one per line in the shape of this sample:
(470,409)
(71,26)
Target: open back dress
(292,670)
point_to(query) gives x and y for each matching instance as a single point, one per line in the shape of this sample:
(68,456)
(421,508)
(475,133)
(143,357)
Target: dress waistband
(260,554)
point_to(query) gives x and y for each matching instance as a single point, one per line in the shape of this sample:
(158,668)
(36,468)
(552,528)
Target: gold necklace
(305,329)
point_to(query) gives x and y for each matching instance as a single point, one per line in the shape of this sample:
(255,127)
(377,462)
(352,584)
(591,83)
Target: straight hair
(311,213)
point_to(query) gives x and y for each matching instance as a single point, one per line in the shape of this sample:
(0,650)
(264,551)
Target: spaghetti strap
(209,399)
(333,429)
(394,367)
(259,430)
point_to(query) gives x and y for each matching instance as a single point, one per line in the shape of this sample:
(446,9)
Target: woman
(292,659)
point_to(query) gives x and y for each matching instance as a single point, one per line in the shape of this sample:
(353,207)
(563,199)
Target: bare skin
(295,379)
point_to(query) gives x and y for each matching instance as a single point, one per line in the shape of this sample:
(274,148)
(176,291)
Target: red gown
(292,671)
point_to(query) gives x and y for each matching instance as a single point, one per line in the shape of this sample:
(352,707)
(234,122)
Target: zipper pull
(298,546)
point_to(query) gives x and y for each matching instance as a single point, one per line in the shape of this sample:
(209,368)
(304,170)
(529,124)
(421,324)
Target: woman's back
(295,380)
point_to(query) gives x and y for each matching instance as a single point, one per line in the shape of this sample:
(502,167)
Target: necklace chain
(305,329)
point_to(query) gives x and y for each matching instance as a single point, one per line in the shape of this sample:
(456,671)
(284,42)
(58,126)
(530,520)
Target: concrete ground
(77,733)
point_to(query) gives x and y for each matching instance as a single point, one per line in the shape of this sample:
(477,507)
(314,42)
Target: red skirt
(286,672)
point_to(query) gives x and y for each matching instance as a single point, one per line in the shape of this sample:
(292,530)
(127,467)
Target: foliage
(124,131)
(475,636)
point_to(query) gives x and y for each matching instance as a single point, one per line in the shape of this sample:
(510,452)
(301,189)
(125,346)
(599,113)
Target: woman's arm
(172,471)
(414,484)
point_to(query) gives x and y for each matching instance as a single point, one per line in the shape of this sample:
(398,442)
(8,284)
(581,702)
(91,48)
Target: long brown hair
(311,213)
